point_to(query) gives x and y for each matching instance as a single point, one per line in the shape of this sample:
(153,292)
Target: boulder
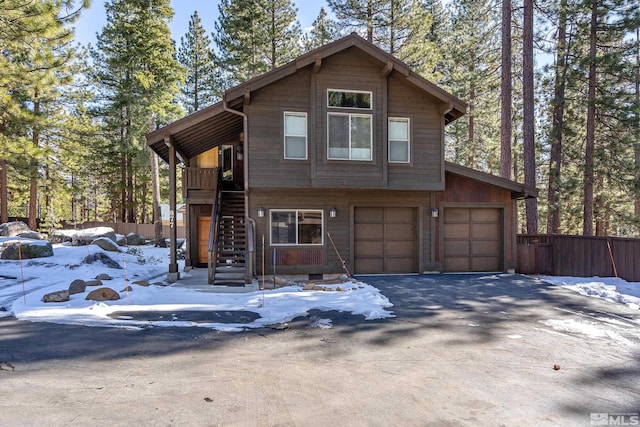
(127,289)
(103,276)
(106,244)
(58,296)
(78,286)
(103,258)
(141,283)
(121,240)
(33,235)
(103,294)
(26,250)
(61,236)
(134,239)
(85,237)
(12,229)
(95,282)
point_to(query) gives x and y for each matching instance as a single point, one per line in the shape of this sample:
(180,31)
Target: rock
(58,296)
(308,287)
(12,229)
(127,289)
(96,282)
(61,236)
(27,250)
(141,283)
(121,240)
(134,239)
(159,284)
(78,286)
(103,294)
(85,237)
(103,258)
(103,276)
(107,244)
(33,235)
(179,242)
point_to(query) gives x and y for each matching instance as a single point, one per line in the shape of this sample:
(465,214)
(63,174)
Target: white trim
(408,140)
(350,157)
(285,135)
(296,212)
(351,91)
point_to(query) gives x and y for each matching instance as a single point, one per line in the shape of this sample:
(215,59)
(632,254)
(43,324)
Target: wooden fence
(581,256)
(146,230)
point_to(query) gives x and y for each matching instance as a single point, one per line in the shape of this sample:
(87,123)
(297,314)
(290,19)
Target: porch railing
(200,179)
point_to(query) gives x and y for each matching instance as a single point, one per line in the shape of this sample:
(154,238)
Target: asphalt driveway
(463,350)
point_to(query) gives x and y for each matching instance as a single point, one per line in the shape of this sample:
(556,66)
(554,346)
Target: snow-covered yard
(23,284)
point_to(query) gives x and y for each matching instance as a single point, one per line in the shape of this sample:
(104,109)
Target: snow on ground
(23,284)
(608,288)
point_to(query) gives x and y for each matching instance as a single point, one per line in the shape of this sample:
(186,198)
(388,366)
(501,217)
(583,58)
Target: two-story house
(336,155)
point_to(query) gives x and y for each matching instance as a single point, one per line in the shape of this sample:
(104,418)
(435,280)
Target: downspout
(245,172)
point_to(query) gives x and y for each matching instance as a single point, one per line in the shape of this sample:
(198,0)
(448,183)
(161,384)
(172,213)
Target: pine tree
(360,15)
(139,79)
(323,31)
(202,85)
(505,92)
(254,36)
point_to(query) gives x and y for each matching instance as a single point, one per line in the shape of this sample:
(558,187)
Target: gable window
(296,227)
(349,99)
(295,136)
(399,147)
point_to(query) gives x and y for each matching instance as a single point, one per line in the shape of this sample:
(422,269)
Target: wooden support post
(173,275)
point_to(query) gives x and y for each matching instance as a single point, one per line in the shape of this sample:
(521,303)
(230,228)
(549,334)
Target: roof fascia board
(521,190)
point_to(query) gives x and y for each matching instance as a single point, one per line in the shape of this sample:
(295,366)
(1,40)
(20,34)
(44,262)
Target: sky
(92,20)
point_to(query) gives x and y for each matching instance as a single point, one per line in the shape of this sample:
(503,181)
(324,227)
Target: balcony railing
(200,178)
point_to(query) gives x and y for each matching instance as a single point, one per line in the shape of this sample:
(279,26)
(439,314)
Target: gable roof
(518,191)
(215,125)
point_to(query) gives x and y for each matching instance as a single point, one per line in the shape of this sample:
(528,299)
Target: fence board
(580,256)
(145,230)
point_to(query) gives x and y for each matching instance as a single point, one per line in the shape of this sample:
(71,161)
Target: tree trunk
(471,131)
(555,156)
(155,194)
(369,21)
(4,193)
(505,93)
(528,116)
(637,146)
(33,182)
(587,225)
(129,190)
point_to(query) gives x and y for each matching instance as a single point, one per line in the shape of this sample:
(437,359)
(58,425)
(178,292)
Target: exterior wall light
(260,212)
(434,212)
(333,212)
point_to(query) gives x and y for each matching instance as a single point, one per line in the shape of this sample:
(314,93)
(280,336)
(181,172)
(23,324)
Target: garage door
(385,240)
(472,239)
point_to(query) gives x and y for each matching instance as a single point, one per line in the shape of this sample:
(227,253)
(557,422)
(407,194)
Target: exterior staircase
(230,259)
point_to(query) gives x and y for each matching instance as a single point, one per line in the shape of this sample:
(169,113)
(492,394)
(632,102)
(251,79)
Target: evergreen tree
(323,31)
(254,36)
(202,85)
(360,15)
(138,77)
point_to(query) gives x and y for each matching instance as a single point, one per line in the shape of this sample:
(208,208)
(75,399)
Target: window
(349,136)
(296,227)
(295,135)
(399,140)
(349,99)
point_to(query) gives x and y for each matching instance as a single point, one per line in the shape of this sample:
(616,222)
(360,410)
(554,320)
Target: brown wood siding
(340,227)
(425,170)
(267,165)
(306,92)
(463,192)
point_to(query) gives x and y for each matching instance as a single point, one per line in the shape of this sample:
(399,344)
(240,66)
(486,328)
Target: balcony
(199,179)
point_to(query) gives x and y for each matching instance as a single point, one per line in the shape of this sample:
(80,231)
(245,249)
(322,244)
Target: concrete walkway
(463,350)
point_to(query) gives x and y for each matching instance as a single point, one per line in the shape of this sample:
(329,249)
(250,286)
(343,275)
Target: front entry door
(204,223)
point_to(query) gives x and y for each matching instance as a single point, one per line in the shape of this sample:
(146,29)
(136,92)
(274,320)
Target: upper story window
(399,147)
(349,135)
(349,99)
(295,136)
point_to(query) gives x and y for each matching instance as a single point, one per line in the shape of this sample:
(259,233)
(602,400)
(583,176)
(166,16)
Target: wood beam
(388,68)
(445,108)
(173,275)
(247,96)
(317,64)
